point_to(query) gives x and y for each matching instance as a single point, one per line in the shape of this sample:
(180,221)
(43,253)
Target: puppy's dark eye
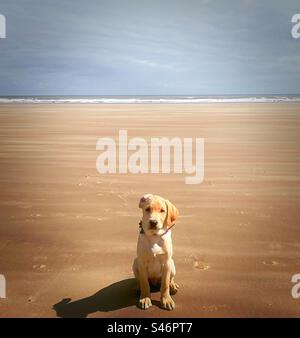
(162,210)
(148,209)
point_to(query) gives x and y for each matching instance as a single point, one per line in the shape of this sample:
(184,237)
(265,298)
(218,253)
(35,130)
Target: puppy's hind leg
(174,287)
(135,270)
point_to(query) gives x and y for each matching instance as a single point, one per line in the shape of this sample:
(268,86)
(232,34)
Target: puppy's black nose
(153,223)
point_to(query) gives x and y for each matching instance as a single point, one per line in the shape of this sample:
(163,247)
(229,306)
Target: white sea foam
(151,99)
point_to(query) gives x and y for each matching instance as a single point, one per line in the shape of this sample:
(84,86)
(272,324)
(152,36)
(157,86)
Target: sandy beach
(68,234)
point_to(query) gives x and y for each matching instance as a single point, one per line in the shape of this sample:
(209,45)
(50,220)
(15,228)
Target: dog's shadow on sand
(116,296)
(113,297)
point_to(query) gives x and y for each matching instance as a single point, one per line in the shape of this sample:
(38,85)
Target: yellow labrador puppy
(154,263)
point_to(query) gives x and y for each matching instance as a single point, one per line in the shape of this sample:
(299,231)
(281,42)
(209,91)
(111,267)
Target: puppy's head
(158,214)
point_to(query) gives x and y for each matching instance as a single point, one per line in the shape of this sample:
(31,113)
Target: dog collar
(143,232)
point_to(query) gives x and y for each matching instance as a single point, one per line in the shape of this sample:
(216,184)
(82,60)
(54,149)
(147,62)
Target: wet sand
(67,232)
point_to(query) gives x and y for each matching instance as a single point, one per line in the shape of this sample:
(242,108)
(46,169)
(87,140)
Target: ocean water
(150,99)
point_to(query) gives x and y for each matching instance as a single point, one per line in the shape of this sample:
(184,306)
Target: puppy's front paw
(174,287)
(167,303)
(145,303)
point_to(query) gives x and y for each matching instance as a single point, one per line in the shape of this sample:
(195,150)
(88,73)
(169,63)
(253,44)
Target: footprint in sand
(270,262)
(200,265)
(39,267)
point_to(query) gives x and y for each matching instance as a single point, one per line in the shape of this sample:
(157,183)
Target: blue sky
(131,47)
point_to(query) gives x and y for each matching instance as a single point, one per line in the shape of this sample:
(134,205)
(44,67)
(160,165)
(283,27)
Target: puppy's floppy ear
(172,215)
(145,199)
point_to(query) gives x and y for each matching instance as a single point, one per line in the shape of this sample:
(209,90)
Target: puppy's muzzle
(153,223)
